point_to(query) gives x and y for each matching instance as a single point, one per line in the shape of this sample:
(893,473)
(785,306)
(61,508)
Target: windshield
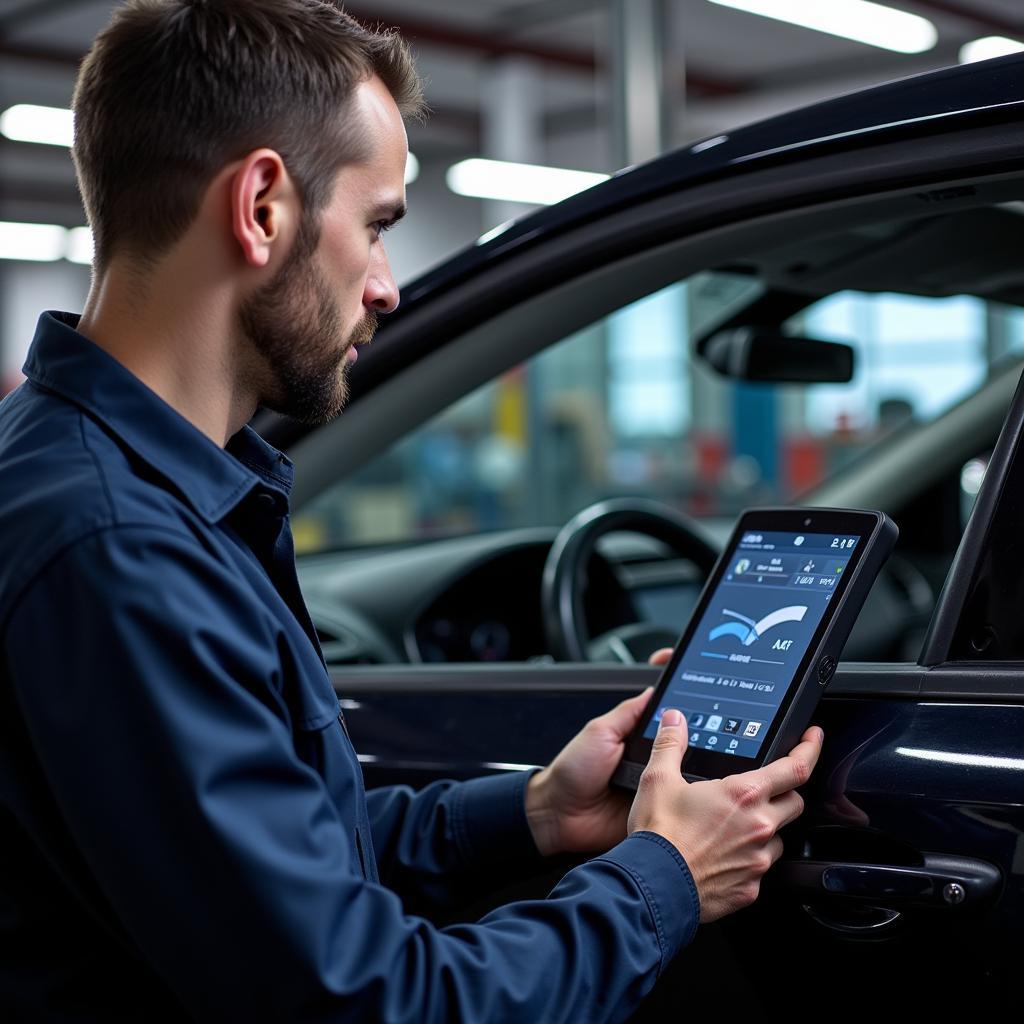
(623,407)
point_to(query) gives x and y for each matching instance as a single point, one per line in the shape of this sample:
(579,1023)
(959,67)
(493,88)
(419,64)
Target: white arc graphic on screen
(752,631)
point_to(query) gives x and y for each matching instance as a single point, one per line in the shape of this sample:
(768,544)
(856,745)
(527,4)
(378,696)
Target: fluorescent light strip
(38,243)
(412,169)
(987,47)
(518,183)
(79,246)
(859,20)
(44,243)
(26,122)
(55,126)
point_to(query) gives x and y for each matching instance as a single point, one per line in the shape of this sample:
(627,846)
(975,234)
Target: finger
(775,848)
(669,744)
(622,718)
(786,808)
(660,657)
(795,768)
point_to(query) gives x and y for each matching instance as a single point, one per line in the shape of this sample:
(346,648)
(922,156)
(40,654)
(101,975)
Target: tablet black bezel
(709,764)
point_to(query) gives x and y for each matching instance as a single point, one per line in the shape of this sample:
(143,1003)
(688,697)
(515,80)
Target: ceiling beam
(52,194)
(537,12)
(41,55)
(34,10)
(885,66)
(439,33)
(436,33)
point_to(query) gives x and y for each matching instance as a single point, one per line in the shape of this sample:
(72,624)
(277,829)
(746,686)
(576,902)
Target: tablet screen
(747,648)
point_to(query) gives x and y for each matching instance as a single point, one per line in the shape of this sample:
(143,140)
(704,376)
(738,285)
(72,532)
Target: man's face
(305,325)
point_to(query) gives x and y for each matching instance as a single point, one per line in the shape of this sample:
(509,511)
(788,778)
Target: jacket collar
(213,480)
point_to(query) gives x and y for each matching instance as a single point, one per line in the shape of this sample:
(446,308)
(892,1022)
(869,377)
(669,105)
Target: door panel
(907,776)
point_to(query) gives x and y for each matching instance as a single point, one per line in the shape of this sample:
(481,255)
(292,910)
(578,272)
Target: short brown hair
(172,90)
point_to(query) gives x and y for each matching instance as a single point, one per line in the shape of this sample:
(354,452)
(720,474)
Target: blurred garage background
(573,89)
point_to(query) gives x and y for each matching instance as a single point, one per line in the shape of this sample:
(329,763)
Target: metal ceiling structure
(720,68)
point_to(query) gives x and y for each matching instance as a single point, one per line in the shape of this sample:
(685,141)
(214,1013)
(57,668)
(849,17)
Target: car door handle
(940,882)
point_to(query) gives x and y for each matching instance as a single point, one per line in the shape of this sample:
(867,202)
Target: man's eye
(380,226)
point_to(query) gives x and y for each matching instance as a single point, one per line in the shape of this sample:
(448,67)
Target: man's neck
(176,335)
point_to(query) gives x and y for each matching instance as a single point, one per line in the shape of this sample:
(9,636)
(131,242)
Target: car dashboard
(468,599)
(477,599)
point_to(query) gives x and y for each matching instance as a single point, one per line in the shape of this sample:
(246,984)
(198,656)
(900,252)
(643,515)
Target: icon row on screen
(699,720)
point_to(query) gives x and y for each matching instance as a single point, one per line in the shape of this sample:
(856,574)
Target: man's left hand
(569,804)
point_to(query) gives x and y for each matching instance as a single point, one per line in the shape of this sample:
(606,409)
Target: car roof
(926,103)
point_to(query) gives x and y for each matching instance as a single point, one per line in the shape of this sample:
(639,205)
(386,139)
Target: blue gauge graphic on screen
(748,632)
(752,634)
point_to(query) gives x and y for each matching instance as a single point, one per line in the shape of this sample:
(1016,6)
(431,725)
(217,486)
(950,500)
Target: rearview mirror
(765,354)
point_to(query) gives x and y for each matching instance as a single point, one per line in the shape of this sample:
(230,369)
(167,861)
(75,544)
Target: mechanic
(184,827)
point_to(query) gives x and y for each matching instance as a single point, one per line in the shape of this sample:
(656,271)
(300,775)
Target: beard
(293,326)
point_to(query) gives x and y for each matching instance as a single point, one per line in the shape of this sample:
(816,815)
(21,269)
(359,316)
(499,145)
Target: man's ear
(263,201)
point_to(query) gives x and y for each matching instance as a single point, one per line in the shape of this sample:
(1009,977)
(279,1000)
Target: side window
(623,407)
(917,357)
(602,412)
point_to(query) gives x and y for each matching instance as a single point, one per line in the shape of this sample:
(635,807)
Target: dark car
(679,335)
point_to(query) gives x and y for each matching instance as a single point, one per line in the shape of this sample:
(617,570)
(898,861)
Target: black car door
(902,883)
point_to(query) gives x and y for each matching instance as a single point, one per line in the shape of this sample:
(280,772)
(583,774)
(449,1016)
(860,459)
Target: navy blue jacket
(183,826)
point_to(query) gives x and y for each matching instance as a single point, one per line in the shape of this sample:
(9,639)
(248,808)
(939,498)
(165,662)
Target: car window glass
(623,407)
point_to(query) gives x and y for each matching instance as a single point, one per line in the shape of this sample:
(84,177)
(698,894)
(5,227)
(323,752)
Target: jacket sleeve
(168,753)
(448,840)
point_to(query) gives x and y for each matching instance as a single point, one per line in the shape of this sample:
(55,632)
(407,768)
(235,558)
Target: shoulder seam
(6,615)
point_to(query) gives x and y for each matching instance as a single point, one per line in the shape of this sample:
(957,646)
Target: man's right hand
(725,829)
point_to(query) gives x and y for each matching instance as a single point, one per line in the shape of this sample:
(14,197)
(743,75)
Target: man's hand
(569,804)
(724,828)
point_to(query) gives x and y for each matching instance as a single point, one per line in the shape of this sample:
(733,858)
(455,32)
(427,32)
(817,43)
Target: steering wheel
(565,574)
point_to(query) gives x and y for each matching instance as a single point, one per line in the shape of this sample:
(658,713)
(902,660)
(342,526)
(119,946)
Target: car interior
(502,441)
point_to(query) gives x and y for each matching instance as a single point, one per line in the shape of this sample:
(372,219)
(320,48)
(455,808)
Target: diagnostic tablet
(764,638)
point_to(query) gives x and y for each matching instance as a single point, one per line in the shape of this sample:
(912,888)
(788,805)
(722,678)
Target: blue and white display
(747,648)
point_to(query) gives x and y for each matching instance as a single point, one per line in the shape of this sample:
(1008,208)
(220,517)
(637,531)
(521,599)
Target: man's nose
(381,293)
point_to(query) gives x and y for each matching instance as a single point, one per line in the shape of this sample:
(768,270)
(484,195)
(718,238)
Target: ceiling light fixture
(38,243)
(79,246)
(412,168)
(859,20)
(988,46)
(518,183)
(26,122)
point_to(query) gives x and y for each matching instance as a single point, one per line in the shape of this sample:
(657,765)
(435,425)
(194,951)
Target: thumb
(660,656)
(670,743)
(622,718)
